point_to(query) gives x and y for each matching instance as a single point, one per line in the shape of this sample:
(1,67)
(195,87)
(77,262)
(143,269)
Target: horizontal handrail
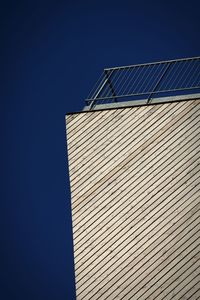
(151,79)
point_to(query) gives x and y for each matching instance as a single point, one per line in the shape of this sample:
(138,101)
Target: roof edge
(143,102)
(133,103)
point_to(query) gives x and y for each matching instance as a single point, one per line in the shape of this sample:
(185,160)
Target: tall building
(135,184)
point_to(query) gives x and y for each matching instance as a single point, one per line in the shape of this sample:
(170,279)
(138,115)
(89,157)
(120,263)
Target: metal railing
(149,80)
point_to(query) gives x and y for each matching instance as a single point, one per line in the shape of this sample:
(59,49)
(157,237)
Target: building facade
(135,195)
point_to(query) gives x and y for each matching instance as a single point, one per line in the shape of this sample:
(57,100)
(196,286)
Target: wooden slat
(117,212)
(141,163)
(148,172)
(123,161)
(135,186)
(124,150)
(114,149)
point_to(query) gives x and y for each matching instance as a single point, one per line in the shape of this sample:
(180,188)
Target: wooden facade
(135,181)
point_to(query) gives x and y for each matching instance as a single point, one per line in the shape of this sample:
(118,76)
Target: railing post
(92,103)
(110,85)
(159,81)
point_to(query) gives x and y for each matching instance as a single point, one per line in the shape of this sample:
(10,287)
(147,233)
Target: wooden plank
(121,151)
(126,157)
(125,182)
(141,163)
(127,230)
(115,143)
(135,183)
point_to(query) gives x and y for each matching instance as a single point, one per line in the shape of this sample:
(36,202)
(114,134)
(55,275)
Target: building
(135,187)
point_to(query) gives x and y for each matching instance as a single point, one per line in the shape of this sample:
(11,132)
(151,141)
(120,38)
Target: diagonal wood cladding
(135,181)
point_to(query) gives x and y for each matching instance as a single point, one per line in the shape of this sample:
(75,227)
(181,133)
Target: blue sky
(51,54)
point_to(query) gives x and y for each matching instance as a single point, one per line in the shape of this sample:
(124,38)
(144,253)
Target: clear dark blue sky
(51,53)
